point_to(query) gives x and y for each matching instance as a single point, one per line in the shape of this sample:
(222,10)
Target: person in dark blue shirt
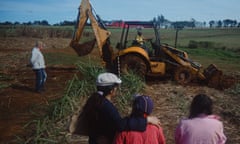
(102,117)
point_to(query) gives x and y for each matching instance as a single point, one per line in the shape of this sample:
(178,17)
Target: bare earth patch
(18,98)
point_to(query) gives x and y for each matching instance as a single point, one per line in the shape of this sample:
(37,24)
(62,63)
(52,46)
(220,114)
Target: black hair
(201,104)
(106,89)
(90,112)
(96,99)
(93,104)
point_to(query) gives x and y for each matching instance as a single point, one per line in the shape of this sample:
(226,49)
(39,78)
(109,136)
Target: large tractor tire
(183,76)
(133,64)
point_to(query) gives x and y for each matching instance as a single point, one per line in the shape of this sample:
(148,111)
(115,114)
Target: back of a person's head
(142,105)
(106,81)
(139,33)
(38,43)
(201,104)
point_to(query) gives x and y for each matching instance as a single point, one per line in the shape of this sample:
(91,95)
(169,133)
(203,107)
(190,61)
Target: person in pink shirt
(142,107)
(201,127)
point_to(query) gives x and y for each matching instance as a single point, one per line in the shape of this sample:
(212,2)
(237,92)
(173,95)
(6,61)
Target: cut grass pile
(52,126)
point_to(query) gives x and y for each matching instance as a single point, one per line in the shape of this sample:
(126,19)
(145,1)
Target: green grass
(224,37)
(68,59)
(222,45)
(60,58)
(228,37)
(224,59)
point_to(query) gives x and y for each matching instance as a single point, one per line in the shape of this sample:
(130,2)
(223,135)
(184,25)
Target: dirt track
(17,100)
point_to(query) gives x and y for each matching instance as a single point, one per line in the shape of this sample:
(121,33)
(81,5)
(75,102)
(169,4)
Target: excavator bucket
(216,79)
(84,48)
(213,76)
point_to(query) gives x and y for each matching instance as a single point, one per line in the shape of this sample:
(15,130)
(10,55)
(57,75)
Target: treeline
(196,24)
(42,23)
(224,23)
(162,22)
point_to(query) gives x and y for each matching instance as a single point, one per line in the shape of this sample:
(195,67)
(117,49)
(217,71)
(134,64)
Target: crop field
(29,117)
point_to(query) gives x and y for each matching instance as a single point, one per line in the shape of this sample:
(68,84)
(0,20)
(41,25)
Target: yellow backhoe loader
(162,59)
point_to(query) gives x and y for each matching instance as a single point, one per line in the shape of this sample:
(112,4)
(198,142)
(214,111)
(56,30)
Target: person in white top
(38,65)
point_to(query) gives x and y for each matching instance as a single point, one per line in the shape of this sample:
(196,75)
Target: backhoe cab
(153,58)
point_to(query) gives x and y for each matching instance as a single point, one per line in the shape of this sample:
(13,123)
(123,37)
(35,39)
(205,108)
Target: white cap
(107,79)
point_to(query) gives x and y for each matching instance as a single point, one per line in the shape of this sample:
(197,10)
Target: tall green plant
(82,86)
(131,85)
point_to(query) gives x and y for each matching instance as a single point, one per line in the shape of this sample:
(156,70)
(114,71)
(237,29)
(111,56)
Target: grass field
(225,37)
(217,46)
(222,37)
(171,100)
(228,38)
(222,45)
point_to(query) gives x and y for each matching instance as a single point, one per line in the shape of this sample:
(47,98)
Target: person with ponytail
(103,118)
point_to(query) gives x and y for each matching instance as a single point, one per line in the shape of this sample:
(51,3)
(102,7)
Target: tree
(219,23)
(44,22)
(204,23)
(229,23)
(36,22)
(211,23)
(67,23)
(160,20)
(28,23)
(16,23)
(6,23)
(234,23)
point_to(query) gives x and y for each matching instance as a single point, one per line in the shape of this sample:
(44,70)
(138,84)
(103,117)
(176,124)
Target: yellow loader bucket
(213,76)
(84,48)
(216,79)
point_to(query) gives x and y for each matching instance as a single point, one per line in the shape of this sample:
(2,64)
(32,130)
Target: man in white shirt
(38,65)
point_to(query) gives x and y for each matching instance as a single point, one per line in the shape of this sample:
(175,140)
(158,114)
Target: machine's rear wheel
(135,64)
(183,76)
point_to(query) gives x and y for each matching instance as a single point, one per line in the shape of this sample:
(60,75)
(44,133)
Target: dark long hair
(96,99)
(93,105)
(106,89)
(201,104)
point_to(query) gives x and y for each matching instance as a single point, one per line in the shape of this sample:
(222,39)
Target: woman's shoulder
(200,118)
(216,117)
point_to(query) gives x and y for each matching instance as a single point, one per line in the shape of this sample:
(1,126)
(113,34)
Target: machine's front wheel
(135,64)
(183,76)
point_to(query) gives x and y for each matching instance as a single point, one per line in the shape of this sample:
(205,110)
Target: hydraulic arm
(100,32)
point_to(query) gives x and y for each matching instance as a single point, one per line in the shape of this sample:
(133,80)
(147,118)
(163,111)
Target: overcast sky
(55,11)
